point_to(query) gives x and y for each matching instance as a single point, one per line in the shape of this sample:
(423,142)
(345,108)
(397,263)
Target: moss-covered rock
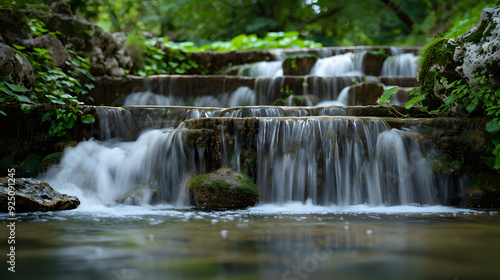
(32,195)
(474,54)
(224,190)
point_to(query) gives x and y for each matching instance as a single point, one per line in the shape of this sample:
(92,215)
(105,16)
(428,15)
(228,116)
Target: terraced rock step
(114,92)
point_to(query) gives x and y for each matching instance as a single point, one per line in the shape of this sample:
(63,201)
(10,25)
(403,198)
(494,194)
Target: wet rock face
(15,66)
(365,94)
(55,47)
(106,55)
(373,63)
(32,195)
(479,48)
(299,64)
(224,190)
(15,29)
(475,53)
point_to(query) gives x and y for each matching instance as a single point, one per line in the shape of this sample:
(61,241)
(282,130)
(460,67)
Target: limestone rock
(373,62)
(105,54)
(33,195)
(61,7)
(224,190)
(15,66)
(56,48)
(479,48)
(364,93)
(299,64)
(15,29)
(475,53)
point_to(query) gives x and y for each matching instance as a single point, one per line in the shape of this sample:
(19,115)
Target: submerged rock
(32,195)
(224,190)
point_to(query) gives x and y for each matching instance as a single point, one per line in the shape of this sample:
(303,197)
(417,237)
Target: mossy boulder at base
(32,195)
(224,190)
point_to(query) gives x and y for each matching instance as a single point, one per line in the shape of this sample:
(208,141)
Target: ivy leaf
(88,119)
(471,107)
(16,88)
(414,101)
(22,98)
(387,95)
(493,126)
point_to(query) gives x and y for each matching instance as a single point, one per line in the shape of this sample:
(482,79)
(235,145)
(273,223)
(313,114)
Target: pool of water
(292,241)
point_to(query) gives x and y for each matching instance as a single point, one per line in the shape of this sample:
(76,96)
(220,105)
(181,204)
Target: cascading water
(348,64)
(401,65)
(156,165)
(270,69)
(328,160)
(340,161)
(243,96)
(127,123)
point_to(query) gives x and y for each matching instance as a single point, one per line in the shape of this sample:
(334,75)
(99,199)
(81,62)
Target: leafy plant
(12,93)
(272,40)
(65,89)
(384,99)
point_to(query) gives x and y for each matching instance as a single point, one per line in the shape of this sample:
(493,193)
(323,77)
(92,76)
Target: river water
(286,241)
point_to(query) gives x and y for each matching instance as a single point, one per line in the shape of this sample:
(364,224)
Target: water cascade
(402,65)
(348,64)
(320,154)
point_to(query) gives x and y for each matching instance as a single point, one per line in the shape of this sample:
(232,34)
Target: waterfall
(264,68)
(156,165)
(328,160)
(242,96)
(342,161)
(348,64)
(127,123)
(401,65)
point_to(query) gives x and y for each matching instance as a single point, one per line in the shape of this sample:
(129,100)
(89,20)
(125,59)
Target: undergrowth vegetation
(65,89)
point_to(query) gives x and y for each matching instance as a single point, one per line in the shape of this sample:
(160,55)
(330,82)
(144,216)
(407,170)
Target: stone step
(113,91)
(214,62)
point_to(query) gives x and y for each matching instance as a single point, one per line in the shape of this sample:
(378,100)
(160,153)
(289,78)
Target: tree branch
(329,13)
(399,13)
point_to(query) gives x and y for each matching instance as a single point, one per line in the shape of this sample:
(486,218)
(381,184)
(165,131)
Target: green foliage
(287,91)
(11,93)
(65,89)
(387,95)
(480,97)
(273,40)
(248,188)
(466,15)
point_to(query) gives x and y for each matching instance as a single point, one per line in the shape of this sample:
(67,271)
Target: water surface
(292,241)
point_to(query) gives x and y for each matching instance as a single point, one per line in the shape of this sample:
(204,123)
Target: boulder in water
(224,190)
(32,195)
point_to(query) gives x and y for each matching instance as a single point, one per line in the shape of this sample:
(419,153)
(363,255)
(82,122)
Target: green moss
(218,184)
(197,181)
(380,53)
(248,188)
(300,56)
(476,36)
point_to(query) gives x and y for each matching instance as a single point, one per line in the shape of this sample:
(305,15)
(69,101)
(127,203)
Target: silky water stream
(342,198)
